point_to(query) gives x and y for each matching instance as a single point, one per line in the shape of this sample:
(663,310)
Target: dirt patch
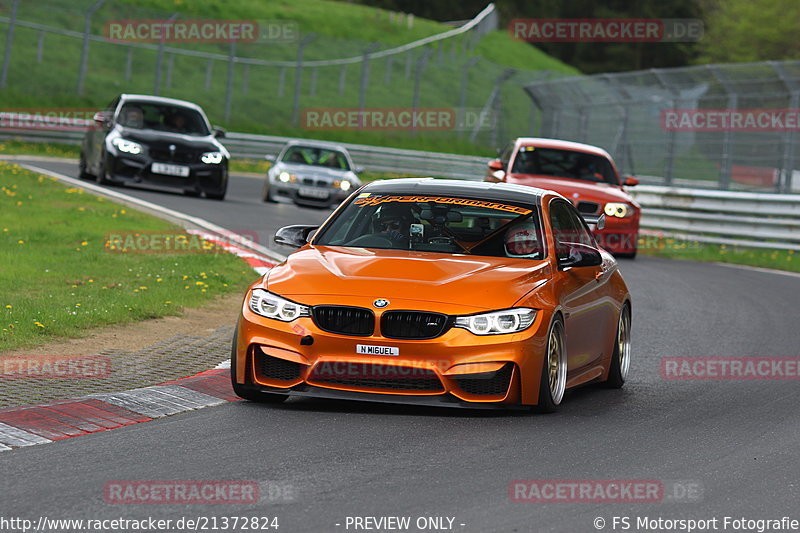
(220,312)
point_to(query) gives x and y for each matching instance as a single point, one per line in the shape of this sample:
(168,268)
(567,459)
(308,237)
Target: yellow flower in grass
(39,324)
(9,307)
(84,243)
(20,242)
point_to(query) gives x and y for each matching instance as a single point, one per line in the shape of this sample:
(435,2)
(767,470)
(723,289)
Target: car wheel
(102,177)
(192,192)
(621,358)
(216,195)
(82,173)
(247,393)
(554,369)
(266,194)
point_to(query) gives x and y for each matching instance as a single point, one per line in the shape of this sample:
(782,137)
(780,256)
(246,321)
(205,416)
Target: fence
(680,124)
(264,86)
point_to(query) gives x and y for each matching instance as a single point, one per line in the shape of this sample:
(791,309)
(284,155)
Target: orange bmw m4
(437,292)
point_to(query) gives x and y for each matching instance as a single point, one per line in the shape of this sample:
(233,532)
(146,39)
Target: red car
(584,174)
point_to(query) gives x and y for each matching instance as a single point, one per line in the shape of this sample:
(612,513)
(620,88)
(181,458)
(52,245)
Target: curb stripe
(11,436)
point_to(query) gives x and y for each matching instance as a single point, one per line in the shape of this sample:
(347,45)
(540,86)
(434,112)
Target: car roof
(542,142)
(446,187)
(315,144)
(159,100)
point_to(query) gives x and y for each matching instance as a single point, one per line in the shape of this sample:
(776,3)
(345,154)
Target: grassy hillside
(263,96)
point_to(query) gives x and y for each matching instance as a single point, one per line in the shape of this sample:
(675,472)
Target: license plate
(170,170)
(367,349)
(310,192)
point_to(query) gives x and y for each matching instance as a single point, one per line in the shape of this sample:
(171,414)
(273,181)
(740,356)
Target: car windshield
(321,157)
(163,117)
(437,224)
(564,164)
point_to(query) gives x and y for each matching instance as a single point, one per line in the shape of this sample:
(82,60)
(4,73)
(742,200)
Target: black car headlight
(212,158)
(270,305)
(126,146)
(497,322)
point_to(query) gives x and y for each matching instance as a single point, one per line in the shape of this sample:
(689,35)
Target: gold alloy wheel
(556,363)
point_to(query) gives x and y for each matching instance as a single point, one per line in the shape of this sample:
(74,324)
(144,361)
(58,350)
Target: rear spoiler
(595,222)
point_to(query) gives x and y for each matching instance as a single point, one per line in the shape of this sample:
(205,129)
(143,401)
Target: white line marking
(166,212)
(11,436)
(761,269)
(225,364)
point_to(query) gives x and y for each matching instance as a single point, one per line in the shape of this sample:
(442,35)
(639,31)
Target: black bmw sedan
(156,141)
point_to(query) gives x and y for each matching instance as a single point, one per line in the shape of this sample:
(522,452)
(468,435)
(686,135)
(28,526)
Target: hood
(149,137)
(474,282)
(568,187)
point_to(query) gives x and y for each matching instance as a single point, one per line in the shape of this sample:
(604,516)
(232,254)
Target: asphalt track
(737,441)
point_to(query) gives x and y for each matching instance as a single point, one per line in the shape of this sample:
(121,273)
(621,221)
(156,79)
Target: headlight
(273,306)
(497,322)
(124,145)
(212,158)
(618,210)
(344,185)
(285,177)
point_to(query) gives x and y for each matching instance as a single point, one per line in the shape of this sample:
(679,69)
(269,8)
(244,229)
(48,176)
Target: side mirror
(496,164)
(271,158)
(101,118)
(574,255)
(595,222)
(630,181)
(219,133)
(294,236)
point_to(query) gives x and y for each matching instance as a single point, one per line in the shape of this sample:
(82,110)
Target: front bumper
(321,196)
(454,369)
(137,169)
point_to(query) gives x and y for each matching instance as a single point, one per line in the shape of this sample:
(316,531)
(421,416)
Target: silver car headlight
(498,322)
(285,177)
(344,185)
(270,305)
(126,146)
(212,158)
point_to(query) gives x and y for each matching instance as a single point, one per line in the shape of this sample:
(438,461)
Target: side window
(505,155)
(567,226)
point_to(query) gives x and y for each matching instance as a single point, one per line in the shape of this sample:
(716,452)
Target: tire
(101,178)
(248,393)
(621,358)
(216,195)
(82,173)
(554,369)
(266,193)
(192,192)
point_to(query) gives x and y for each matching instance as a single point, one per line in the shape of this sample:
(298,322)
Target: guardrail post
(129,64)
(170,65)
(87,28)
(281,80)
(312,89)
(362,91)
(462,96)
(12,21)
(229,86)
(784,182)
(245,77)
(209,73)
(298,77)
(160,58)
(669,159)
(40,47)
(387,73)
(727,137)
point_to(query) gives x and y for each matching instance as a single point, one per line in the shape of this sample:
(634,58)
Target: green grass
(59,278)
(260,105)
(720,253)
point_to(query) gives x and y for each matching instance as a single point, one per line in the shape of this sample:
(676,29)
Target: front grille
(413,324)
(366,377)
(486,383)
(315,183)
(588,208)
(276,368)
(178,156)
(344,320)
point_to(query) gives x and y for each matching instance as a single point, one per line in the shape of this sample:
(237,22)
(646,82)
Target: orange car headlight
(270,305)
(497,322)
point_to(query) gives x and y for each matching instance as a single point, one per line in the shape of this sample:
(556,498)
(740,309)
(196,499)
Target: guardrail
(758,220)
(371,158)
